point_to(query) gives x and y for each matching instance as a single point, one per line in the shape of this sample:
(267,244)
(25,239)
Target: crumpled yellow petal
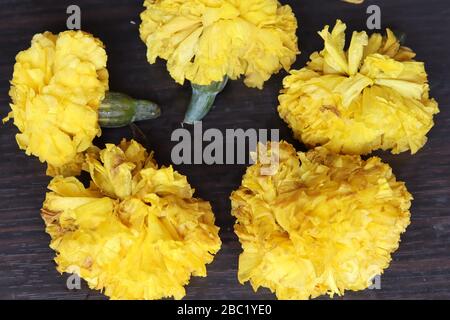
(356,51)
(333,52)
(137,232)
(322,224)
(57,87)
(203,41)
(354,1)
(371,96)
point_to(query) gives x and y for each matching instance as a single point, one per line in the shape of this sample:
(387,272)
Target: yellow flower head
(57,87)
(323,224)
(370,96)
(137,232)
(354,1)
(205,40)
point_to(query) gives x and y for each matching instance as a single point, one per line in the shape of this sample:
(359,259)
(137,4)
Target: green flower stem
(202,100)
(119,110)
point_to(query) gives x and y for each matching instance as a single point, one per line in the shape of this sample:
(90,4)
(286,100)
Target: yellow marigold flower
(322,224)
(370,96)
(354,1)
(57,87)
(204,41)
(209,42)
(137,232)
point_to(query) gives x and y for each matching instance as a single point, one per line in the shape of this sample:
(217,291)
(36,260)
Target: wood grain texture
(421,267)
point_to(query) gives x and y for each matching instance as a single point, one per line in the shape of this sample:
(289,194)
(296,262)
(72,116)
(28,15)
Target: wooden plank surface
(421,267)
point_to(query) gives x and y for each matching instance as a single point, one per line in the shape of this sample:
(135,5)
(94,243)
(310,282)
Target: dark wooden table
(421,267)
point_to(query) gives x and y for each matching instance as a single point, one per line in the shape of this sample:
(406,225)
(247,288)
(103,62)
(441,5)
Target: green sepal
(120,110)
